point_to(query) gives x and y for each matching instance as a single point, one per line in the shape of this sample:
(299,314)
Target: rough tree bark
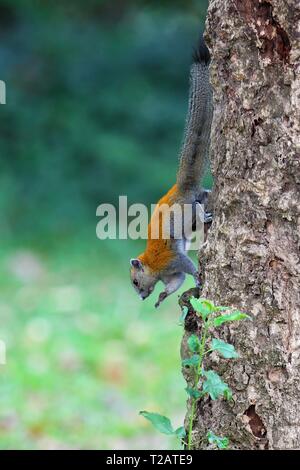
(252,260)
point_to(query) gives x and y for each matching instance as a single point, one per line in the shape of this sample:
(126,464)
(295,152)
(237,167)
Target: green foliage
(193,392)
(160,422)
(220,442)
(194,343)
(202,306)
(163,424)
(225,349)
(180,432)
(191,361)
(214,386)
(234,316)
(206,382)
(78,361)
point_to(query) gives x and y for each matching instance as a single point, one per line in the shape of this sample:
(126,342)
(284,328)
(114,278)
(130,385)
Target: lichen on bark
(252,259)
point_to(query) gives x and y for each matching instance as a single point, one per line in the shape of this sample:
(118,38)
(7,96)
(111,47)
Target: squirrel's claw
(208,217)
(161,298)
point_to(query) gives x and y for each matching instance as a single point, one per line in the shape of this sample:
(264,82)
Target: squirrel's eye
(135,282)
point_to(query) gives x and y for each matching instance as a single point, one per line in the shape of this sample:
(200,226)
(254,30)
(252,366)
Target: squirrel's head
(143,280)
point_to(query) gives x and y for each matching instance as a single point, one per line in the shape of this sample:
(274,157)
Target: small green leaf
(221,442)
(160,422)
(215,386)
(180,432)
(220,308)
(194,343)
(193,393)
(183,315)
(225,349)
(191,361)
(202,306)
(234,316)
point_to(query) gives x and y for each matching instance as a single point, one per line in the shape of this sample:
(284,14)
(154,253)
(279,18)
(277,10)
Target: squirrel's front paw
(161,297)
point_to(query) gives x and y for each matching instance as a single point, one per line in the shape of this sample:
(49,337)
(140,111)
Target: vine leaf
(191,361)
(202,306)
(193,392)
(225,349)
(234,316)
(180,432)
(193,343)
(220,442)
(215,386)
(160,422)
(163,424)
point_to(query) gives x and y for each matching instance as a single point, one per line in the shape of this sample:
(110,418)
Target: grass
(84,354)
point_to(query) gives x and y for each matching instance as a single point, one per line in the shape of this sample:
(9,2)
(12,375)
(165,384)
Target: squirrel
(166,260)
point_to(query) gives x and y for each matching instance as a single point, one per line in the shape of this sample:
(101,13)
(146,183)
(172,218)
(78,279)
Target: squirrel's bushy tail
(196,141)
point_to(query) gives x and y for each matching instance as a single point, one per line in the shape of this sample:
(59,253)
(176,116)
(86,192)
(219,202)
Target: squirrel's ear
(136,263)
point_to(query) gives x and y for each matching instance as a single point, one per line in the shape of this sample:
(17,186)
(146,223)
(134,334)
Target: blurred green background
(96,102)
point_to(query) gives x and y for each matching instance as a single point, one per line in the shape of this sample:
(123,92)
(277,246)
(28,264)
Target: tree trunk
(252,260)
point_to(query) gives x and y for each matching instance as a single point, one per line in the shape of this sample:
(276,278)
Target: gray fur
(173,276)
(194,153)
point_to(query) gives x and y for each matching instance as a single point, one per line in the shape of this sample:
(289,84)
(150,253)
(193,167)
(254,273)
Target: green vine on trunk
(205,382)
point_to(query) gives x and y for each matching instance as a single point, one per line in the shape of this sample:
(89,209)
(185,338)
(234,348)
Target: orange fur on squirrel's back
(158,253)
